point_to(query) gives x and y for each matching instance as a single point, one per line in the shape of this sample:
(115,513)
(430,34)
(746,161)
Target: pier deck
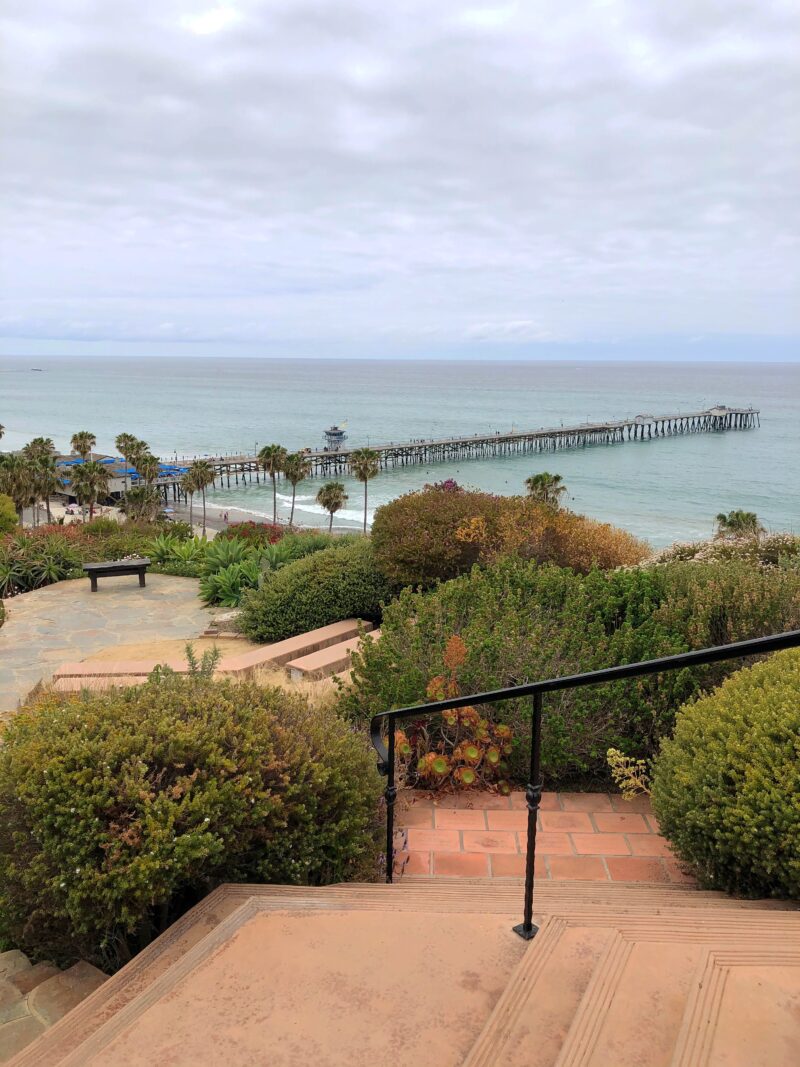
(233,469)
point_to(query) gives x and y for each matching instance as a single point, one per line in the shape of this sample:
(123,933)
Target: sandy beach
(215,519)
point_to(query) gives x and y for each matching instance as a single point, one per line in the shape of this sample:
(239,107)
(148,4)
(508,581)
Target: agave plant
(221,554)
(191,551)
(226,586)
(162,548)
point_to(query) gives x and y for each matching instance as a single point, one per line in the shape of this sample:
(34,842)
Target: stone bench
(115,567)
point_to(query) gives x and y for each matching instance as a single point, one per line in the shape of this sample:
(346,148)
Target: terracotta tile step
(647,996)
(611,963)
(587,904)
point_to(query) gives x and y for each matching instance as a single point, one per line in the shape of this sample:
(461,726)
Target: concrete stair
(327,661)
(331,645)
(430,973)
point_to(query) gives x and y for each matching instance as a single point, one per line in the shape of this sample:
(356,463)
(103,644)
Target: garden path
(66,621)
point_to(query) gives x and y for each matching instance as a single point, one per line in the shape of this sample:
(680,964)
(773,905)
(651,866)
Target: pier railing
(383,728)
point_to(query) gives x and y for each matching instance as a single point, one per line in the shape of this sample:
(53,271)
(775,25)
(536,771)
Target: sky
(424,178)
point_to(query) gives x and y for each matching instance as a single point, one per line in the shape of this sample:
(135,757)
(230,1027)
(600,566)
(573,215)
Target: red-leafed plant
(458,749)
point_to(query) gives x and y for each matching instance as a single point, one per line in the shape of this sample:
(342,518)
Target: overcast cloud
(415,176)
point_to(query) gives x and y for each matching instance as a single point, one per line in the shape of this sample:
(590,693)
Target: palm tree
(17,480)
(365,464)
(41,453)
(128,446)
(332,497)
(83,442)
(296,468)
(546,488)
(89,484)
(147,467)
(48,482)
(189,486)
(2,431)
(738,524)
(272,459)
(202,474)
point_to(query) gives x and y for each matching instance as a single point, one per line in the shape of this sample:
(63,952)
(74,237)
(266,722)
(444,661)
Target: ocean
(662,490)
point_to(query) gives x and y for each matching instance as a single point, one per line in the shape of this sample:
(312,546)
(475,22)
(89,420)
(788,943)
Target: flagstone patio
(66,621)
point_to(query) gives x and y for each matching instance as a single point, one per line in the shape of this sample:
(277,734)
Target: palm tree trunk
(91,510)
(49,513)
(330,524)
(191,512)
(291,514)
(365,506)
(274,498)
(204,511)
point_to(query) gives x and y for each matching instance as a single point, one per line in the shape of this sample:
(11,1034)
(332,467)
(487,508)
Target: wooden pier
(234,470)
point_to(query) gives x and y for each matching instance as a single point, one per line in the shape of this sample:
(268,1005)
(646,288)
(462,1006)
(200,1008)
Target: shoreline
(215,522)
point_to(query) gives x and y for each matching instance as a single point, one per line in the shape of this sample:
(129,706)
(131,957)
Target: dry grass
(158,651)
(320,692)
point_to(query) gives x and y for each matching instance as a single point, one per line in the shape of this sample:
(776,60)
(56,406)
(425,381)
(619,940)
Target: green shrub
(102,526)
(523,622)
(119,810)
(338,583)
(726,787)
(8,515)
(177,569)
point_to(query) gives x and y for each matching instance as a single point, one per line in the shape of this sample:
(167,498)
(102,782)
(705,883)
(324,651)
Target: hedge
(337,583)
(726,787)
(119,810)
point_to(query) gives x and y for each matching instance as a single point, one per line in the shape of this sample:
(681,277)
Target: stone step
(58,995)
(743,1009)
(12,961)
(326,662)
(28,979)
(282,652)
(188,988)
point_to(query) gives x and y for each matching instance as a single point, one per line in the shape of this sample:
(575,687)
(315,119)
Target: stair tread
(329,658)
(584,912)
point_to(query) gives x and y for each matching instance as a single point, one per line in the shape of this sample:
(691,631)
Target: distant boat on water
(40,369)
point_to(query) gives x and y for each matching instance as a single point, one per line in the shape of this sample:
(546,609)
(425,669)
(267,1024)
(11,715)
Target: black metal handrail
(533,793)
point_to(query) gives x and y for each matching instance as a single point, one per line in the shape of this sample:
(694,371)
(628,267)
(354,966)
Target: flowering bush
(459,749)
(256,533)
(771,550)
(442,531)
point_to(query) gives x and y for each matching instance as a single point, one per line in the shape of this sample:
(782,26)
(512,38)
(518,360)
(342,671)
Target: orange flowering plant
(458,749)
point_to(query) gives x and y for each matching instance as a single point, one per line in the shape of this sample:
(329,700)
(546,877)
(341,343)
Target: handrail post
(533,796)
(390,795)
